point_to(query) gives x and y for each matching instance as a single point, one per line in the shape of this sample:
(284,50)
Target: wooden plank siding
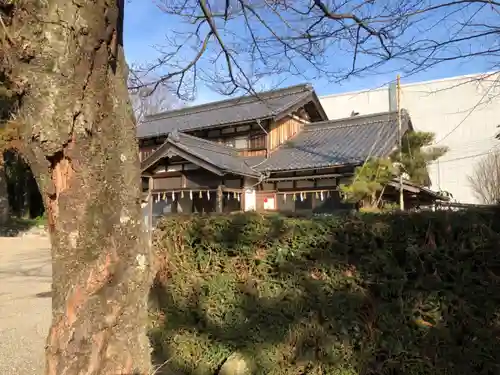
(196,179)
(145,151)
(252,153)
(283,130)
(167,183)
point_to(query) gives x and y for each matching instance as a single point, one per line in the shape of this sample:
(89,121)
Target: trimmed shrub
(370,294)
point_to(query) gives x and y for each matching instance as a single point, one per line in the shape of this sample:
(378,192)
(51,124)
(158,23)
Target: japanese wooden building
(274,152)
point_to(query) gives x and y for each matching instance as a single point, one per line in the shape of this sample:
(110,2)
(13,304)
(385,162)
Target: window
(241,142)
(228,142)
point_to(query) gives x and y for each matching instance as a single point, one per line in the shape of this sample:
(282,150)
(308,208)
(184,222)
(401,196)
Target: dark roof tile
(339,142)
(223,157)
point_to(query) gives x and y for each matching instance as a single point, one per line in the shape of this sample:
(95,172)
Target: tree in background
(369,182)
(19,194)
(371,178)
(416,154)
(4,198)
(485,180)
(146,102)
(8,132)
(5,141)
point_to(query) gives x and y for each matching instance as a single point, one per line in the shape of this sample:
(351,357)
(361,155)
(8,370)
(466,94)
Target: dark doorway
(204,204)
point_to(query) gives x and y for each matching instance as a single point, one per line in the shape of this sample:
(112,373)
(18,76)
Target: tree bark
(79,138)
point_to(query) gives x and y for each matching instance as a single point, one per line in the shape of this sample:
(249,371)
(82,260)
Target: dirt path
(25,311)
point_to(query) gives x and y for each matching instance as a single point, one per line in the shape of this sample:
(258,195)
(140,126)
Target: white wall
(468,103)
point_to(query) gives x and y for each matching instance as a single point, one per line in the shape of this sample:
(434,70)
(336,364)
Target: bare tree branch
(150,100)
(234,44)
(485,181)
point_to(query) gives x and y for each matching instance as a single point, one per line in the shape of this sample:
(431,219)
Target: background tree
(4,199)
(19,194)
(371,178)
(416,154)
(369,182)
(8,133)
(485,180)
(146,100)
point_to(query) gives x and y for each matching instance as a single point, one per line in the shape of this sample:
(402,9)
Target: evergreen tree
(416,154)
(370,179)
(369,182)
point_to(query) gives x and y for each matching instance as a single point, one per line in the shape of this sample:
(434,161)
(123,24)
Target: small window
(241,142)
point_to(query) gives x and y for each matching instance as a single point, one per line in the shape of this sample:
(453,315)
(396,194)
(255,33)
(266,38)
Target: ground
(25,304)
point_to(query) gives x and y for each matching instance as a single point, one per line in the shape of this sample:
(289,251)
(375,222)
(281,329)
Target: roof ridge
(228,102)
(353,121)
(325,125)
(279,110)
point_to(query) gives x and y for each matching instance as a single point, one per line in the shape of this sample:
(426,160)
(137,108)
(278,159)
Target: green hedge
(372,294)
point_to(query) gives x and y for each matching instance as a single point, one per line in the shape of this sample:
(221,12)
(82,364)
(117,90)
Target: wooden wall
(194,179)
(148,146)
(283,130)
(167,182)
(201,178)
(145,151)
(252,153)
(311,202)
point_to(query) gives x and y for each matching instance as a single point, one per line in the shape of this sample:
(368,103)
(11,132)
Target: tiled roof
(266,105)
(339,142)
(223,157)
(347,141)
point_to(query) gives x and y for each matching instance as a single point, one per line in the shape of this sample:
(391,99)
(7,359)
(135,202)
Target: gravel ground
(25,311)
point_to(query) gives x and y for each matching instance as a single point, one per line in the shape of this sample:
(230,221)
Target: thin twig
(161,366)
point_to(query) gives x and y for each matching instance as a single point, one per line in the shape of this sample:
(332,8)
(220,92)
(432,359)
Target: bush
(371,294)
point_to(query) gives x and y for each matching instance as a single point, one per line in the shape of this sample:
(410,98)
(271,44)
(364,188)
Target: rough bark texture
(78,135)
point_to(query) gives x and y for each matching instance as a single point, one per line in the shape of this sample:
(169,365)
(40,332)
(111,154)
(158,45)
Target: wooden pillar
(219,199)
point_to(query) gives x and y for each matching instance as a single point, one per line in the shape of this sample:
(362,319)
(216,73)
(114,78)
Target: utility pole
(400,140)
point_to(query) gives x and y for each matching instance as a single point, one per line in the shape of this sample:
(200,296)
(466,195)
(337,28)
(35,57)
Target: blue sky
(146,27)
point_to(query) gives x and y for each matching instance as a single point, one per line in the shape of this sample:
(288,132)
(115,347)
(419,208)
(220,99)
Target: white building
(463,112)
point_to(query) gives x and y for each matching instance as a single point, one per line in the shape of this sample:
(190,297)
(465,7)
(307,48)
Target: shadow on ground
(395,294)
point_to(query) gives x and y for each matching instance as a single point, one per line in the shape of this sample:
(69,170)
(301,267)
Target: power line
(464,157)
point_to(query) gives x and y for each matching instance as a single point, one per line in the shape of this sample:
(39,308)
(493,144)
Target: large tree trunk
(78,135)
